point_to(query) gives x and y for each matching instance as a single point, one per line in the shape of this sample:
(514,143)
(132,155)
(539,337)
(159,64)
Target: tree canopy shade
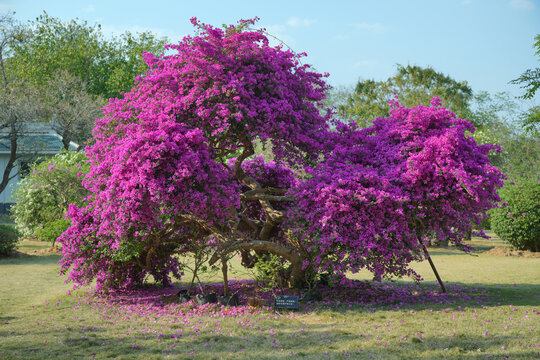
(173,171)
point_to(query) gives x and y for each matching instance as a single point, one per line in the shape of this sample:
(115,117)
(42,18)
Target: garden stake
(434,269)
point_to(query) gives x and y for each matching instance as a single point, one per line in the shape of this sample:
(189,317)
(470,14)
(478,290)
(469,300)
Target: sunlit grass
(38,320)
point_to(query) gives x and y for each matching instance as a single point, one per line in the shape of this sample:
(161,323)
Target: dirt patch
(46,251)
(505,251)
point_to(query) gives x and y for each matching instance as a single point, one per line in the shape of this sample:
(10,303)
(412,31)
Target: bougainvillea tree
(388,189)
(174,170)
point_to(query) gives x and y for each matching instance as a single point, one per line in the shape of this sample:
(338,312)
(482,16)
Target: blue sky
(484,42)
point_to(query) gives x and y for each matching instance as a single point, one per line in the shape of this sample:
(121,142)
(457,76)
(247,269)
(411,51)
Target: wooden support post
(434,269)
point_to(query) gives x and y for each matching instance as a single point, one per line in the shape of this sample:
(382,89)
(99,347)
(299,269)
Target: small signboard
(286,302)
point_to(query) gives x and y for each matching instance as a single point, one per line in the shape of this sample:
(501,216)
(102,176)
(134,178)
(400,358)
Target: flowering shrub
(518,219)
(384,189)
(172,172)
(44,194)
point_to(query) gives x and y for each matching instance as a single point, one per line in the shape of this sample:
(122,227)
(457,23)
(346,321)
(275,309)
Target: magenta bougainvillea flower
(385,190)
(174,171)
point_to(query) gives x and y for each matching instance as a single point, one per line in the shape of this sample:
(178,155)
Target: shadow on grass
(463,296)
(311,342)
(29,259)
(455,251)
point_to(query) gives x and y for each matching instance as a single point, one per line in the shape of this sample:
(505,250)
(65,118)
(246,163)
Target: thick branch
(266,197)
(247,152)
(277,249)
(202,224)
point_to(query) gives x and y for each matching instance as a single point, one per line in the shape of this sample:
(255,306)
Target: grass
(39,320)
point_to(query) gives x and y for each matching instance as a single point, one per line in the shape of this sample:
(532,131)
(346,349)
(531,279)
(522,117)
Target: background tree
(530,81)
(71,108)
(124,62)
(530,121)
(73,46)
(500,113)
(62,72)
(19,100)
(42,197)
(107,66)
(517,221)
(413,85)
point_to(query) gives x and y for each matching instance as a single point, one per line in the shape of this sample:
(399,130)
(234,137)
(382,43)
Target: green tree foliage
(124,60)
(19,100)
(518,219)
(107,66)
(43,196)
(73,46)
(499,115)
(530,79)
(8,240)
(52,230)
(413,85)
(530,120)
(72,110)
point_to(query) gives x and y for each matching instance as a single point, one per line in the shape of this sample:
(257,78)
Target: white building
(38,141)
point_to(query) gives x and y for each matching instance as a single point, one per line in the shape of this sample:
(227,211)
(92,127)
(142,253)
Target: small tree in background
(415,85)
(72,110)
(43,196)
(517,221)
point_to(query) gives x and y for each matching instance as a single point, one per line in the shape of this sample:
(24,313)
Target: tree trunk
(12,158)
(225,277)
(297,276)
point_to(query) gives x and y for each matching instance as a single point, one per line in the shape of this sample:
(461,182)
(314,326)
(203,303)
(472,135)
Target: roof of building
(40,139)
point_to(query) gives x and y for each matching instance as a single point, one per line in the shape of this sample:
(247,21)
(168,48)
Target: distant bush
(44,195)
(8,240)
(486,223)
(52,230)
(518,219)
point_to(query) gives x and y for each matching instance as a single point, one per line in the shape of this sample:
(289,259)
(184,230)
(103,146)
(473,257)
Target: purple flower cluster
(139,183)
(162,184)
(158,176)
(385,190)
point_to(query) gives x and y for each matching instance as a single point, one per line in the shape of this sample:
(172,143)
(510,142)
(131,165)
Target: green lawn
(39,320)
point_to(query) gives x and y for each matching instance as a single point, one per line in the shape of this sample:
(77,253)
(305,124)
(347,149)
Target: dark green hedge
(518,219)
